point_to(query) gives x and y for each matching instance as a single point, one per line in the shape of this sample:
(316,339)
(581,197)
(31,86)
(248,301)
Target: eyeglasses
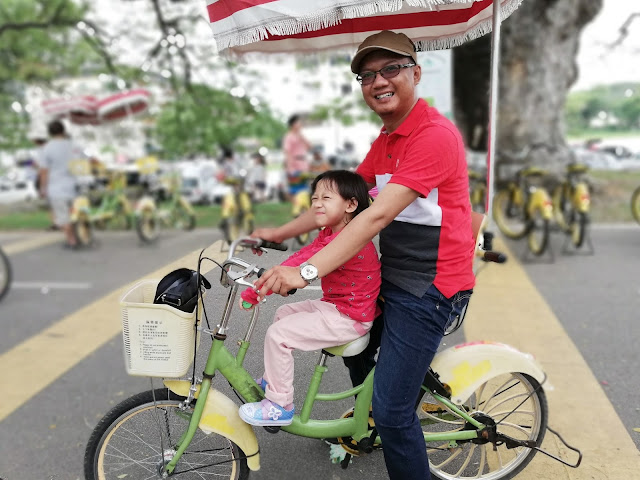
(390,71)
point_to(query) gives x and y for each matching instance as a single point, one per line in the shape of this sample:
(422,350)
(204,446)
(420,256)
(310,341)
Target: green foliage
(206,118)
(38,42)
(619,102)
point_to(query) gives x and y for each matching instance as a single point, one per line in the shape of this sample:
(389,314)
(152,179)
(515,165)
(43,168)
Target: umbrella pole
(493,107)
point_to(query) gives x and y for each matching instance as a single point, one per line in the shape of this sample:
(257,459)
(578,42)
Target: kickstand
(345,461)
(576,465)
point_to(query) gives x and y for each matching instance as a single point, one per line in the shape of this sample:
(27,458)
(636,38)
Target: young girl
(345,311)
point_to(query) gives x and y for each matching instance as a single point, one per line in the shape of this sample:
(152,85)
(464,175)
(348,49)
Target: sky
(598,62)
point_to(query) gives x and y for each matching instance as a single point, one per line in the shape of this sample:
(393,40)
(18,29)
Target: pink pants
(307,325)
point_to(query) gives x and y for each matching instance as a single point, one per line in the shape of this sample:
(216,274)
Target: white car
(21,191)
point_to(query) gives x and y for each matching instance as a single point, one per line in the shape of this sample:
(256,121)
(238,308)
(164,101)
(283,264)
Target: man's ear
(417,74)
(353,204)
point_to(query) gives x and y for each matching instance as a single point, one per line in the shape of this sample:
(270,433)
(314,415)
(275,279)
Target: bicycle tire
(124,442)
(230,228)
(83,230)
(562,208)
(635,204)
(147,227)
(538,235)
(494,399)
(303,239)
(579,228)
(6,274)
(510,218)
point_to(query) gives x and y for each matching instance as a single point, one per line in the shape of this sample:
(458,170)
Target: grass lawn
(36,217)
(610,203)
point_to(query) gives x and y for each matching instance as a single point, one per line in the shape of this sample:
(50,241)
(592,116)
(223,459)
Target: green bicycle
(486,425)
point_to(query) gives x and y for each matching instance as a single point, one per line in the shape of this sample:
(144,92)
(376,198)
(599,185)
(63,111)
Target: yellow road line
(37,362)
(32,242)
(506,307)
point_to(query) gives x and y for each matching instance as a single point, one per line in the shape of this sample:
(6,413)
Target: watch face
(309,272)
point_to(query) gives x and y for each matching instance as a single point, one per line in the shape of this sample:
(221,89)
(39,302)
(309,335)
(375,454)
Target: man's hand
(268,234)
(279,280)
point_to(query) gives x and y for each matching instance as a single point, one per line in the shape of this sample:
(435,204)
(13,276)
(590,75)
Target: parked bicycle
(486,425)
(301,202)
(177,212)
(571,202)
(524,208)
(477,191)
(237,214)
(635,204)
(6,274)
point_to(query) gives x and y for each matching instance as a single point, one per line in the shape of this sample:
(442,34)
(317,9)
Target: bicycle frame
(463,368)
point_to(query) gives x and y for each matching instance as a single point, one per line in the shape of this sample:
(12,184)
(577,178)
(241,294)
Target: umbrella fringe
(328,18)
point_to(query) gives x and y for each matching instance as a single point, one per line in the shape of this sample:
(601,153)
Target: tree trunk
(537,67)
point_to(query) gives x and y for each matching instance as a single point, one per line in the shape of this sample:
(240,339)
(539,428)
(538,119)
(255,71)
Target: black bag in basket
(180,288)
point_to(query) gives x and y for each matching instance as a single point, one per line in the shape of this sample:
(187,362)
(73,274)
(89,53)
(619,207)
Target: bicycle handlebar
(496,257)
(255,243)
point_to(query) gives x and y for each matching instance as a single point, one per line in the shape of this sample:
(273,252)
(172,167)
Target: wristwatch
(308,272)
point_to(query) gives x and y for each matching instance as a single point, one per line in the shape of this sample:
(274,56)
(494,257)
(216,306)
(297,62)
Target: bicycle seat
(533,171)
(349,349)
(577,168)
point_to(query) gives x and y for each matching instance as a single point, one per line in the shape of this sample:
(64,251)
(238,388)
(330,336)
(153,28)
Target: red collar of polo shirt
(411,122)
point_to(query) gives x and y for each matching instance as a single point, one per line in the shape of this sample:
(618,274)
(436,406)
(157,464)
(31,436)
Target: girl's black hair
(348,185)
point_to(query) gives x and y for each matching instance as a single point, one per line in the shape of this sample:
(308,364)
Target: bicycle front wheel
(509,215)
(138,437)
(5,274)
(538,237)
(578,228)
(562,207)
(147,226)
(514,401)
(635,204)
(83,230)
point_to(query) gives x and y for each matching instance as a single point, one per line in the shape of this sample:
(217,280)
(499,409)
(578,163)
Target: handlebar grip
(275,246)
(496,257)
(262,270)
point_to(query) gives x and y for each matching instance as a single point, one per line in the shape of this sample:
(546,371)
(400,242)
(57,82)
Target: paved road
(55,400)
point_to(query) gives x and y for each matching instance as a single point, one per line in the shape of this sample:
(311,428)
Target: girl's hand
(280,280)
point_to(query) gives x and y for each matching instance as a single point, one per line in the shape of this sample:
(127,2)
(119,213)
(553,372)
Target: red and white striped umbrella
(123,104)
(306,26)
(80,110)
(299,26)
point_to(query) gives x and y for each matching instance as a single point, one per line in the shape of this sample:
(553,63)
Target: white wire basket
(159,340)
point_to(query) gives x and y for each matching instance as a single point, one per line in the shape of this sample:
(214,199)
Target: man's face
(390,98)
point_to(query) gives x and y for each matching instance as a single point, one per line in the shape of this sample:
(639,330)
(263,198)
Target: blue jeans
(413,328)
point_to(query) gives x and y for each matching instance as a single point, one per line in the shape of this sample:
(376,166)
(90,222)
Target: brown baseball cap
(386,40)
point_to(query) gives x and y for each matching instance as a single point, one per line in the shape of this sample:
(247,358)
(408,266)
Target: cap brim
(357,59)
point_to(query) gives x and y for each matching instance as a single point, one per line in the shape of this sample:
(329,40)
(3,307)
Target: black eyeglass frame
(392,71)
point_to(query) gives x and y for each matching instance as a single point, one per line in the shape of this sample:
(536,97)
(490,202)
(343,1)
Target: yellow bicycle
(477,191)
(238,217)
(524,209)
(571,201)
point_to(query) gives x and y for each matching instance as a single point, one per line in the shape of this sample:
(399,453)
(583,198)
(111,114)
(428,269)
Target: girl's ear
(353,204)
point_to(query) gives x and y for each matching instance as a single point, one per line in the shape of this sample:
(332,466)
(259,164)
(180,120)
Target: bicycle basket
(159,339)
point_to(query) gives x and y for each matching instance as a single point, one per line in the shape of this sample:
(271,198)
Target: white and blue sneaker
(266,413)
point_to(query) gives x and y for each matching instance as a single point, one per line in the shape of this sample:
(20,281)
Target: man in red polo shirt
(423,216)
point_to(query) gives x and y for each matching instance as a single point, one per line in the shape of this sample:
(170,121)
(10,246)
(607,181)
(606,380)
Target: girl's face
(329,208)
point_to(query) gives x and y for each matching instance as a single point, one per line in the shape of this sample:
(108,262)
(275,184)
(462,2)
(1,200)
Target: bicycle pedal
(272,429)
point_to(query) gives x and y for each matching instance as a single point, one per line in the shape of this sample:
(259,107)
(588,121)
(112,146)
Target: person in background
(318,164)
(296,152)
(423,216)
(57,182)
(345,311)
(257,177)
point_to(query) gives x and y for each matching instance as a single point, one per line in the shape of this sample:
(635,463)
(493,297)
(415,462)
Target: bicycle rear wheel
(510,216)
(6,274)
(514,401)
(83,230)
(147,226)
(137,438)
(562,207)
